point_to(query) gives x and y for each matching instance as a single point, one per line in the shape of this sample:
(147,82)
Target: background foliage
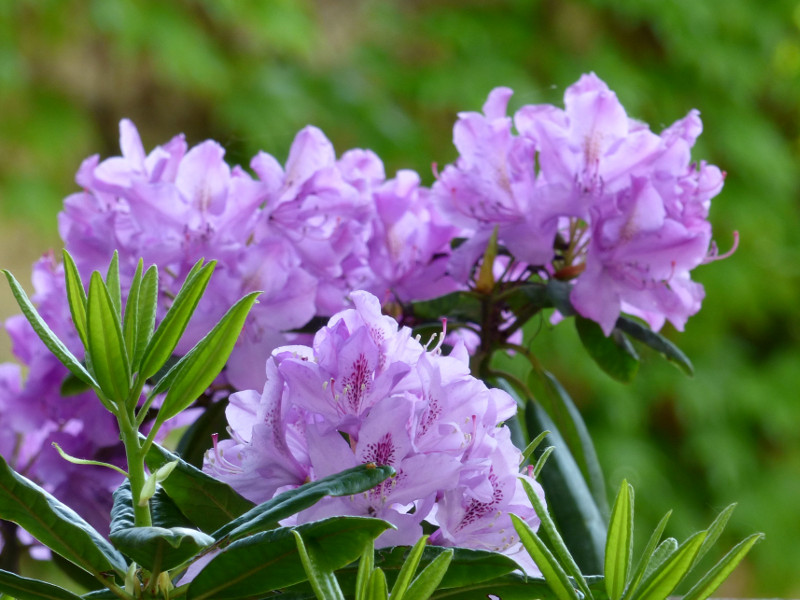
(390,76)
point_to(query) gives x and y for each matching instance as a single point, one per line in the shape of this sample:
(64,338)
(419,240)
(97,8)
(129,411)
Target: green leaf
(269,560)
(619,544)
(429,579)
(657,342)
(207,502)
(156,548)
(719,573)
(55,345)
(113,285)
(106,345)
(365,565)
(160,549)
(647,555)
(147,305)
(671,572)
(508,587)
(460,306)
(56,525)
(408,569)
(72,386)
(201,365)
(714,531)
(76,296)
(614,354)
(557,544)
(130,321)
(568,422)
(378,589)
(169,332)
(664,550)
(570,501)
(553,574)
(323,581)
(23,588)
(267,514)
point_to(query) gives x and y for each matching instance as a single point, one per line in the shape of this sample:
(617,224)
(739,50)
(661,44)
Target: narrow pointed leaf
(55,345)
(365,565)
(147,305)
(24,588)
(662,553)
(508,587)
(619,544)
(378,589)
(714,531)
(207,502)
(269,560)
(429,579)
(614,354)
(559,548)
(570,501)
(56,525)
(553,573)
(657,342)
(408,569)
(322,581)
(169,332)
(76,296)
(113,285)
(671,572)
(647,555)
(719,573)
(106,345)
(266,515)
(130,321)
(201,365)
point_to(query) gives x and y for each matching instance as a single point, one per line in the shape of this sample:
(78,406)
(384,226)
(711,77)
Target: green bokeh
(391,76)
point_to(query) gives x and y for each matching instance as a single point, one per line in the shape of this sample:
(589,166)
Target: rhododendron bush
(342,362)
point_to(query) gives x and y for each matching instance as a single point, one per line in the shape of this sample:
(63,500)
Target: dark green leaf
(553,573)
(657,342)
(23,588)
(55,345)
(266,515)
(568,423)
(155,548)
(580,521)
(76,296)
(614,354)
(56,525)
(508,587)
(201,365)
(719,573)
(72,386)
(206,502)
(619,544)
(106,345)
(169,332)
(113,285)
(460,306)
(159,549)
(269,560)
(165,513)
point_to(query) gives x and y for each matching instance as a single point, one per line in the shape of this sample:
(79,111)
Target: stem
(136,475)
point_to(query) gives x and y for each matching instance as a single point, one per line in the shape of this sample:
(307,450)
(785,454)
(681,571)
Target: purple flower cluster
(589,191)
(306,233)
(367,391)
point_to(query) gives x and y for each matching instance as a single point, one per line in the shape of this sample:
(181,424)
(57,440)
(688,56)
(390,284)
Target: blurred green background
(391,76)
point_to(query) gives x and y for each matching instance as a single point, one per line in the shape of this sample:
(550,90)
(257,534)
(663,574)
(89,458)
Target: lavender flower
(369,392)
